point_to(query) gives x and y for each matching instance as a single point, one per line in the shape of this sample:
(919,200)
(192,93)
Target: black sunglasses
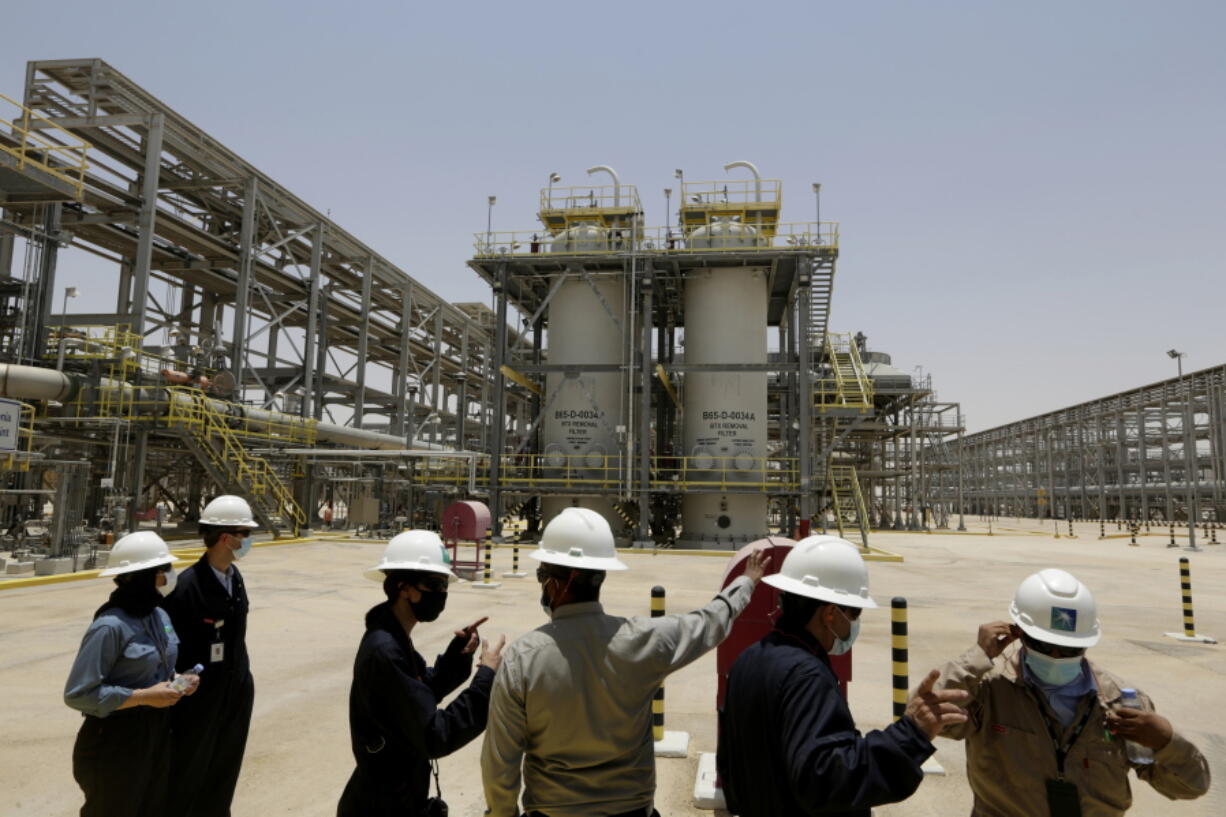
(1052,650)
(433,585)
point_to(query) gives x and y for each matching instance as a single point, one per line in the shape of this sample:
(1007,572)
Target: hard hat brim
(553,557)
(135,566)
(798,588)
(379,572)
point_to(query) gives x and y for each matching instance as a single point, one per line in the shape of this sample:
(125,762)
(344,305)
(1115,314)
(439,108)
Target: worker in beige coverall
(1047,732)
(570,713)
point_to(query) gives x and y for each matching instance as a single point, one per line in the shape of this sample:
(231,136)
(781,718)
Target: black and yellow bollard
(1189,622)
(1102,529)
(1172,544)
(1213,533)
(667,744)
(487,582)
(1133,530)
(1070,528)
(657,702)
(514,572)
(898,651)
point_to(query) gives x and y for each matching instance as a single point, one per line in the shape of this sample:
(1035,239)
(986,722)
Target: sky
(1030,195)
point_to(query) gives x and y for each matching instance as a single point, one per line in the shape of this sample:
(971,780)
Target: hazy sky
(1030,194)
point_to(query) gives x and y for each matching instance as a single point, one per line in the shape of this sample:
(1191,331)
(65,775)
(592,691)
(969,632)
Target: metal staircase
(844,387)
(847,502)
(207,434)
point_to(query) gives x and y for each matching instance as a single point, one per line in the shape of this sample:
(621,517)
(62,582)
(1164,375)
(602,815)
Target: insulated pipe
(757,177)
(35,383)
(617,183)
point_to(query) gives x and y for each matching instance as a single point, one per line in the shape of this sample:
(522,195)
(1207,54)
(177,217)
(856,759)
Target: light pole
(1191,468)
(489,223)
(817,198)
(69,292)
(553,177)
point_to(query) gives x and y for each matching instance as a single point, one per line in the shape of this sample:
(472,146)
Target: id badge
(217,652)
(1062,799)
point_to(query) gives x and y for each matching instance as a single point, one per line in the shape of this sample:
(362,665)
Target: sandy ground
(308,602)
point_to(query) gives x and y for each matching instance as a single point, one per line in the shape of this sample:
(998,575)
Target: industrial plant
(681,372)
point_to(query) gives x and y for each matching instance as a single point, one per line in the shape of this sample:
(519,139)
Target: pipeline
(35,383)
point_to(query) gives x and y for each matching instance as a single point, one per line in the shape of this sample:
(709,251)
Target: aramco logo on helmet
(1064,619)
(446,555)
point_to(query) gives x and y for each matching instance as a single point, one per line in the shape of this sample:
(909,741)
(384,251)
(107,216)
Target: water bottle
(180,682)
(1137,754)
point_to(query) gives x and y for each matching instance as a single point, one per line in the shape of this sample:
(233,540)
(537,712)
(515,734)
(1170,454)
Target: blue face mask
(244,548)
(1055,672)
(842,645)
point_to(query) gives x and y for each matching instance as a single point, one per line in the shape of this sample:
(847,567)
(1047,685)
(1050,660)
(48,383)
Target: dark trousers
(209,737)
(636,812)
(122,763)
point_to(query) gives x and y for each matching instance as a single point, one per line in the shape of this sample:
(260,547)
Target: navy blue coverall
(209,728)
(395,725)
(788,744)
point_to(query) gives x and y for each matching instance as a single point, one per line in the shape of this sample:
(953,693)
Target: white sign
(10,425)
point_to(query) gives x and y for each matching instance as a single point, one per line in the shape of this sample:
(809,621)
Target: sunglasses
(852,613)
(1052,650)
(433,585)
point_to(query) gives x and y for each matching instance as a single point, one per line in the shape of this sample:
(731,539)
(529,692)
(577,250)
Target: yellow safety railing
(63,156)
(587,472)
(848,386)
(798,236)
(593,200)
(738,193)
(19,458)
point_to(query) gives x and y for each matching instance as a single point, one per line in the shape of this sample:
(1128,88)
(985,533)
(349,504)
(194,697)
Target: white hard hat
(228,511)
(414,550)
(825,568)
(1053,607)
(578,537)
(137,551)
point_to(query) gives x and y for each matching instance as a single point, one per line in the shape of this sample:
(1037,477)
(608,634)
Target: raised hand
(470,636)
(933,711)
(996,635)
(491,656)
(756,565)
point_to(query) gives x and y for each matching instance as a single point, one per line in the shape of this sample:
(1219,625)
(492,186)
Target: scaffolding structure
(1157,452)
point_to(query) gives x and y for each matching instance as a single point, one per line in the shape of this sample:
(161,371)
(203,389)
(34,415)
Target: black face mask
(431,605)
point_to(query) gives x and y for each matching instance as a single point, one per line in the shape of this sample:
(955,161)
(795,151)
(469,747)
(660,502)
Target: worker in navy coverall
(788,743)
(397,729)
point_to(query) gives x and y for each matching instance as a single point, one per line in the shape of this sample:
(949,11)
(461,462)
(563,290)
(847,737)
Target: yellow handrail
(65,159)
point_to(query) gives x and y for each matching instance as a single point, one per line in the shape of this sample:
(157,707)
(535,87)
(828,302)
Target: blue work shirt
(120,653)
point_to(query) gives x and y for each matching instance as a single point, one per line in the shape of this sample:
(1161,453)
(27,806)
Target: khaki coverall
(1010,753)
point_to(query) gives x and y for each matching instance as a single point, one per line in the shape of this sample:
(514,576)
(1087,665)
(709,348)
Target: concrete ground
(306,619)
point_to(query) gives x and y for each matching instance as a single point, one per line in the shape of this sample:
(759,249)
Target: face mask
(1055,672)
(244,547)
(172,579)
(431,605)
(546,602)
(842,645)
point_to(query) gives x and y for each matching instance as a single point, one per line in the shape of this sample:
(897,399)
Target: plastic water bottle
(180,682)
(1137,754)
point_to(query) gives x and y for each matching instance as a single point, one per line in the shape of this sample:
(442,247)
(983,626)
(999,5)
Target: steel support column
(146,221)
(499,436)
(645,375)
(242,295)
(359,402)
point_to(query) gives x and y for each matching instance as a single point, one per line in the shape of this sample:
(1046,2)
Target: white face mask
(172,579)
(1055,672)
(244,547)
(843,645)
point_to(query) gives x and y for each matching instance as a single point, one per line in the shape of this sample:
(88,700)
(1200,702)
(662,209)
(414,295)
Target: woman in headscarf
(123,681)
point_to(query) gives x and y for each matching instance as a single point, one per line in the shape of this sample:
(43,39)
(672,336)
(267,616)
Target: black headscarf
(135,593)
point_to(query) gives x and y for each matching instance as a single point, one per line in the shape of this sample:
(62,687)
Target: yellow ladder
(847,501)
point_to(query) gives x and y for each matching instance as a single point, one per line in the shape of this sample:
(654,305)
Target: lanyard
(162,647)
(1062,750)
